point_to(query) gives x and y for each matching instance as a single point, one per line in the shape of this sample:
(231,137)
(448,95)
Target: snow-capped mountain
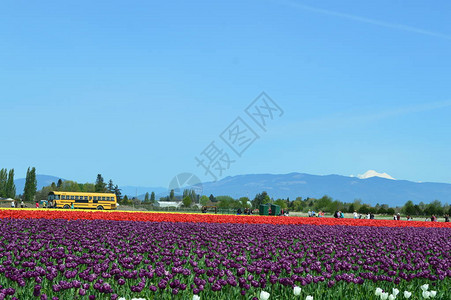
(372,173)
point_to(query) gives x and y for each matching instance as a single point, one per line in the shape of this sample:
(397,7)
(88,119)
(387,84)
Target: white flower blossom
(384,296)
(378,292)
(425,287)
(426,294)
(433,293)
(309,298)
(395,292)
(391,297)
(407,294)
(297,291)
(264,295)
(196,297)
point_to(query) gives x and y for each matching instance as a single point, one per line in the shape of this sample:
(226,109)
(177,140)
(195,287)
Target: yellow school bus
(82,200)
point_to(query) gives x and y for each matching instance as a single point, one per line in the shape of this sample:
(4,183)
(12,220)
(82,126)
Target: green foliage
(259,199)
(297,205)
(364,209)
(3,180)
(100,186)
(152,197)
(118,193)
(11,187)
(227,202)
(171,195)
(323,203)
(204,200)
(282,203)
(110,187)
(187,201)
(30,185)
(147,198)
(190,193)
(244,202)
(409,208)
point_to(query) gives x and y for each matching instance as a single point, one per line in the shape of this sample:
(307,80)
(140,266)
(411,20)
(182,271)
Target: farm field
(63,254)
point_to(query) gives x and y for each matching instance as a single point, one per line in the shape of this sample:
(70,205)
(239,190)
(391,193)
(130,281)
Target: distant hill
(373,188)
(370,190)
(43,180)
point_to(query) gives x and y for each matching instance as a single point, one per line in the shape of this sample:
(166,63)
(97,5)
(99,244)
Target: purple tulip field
(101,259)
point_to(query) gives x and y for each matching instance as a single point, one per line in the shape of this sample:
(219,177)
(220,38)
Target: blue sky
(135,90)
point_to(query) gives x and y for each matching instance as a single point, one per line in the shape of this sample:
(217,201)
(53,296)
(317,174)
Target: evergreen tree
(146,198)
(100,184)
(152,197)
(11,187)
(53,186)
(117,191)
(3,180)
(30,185)
(110,187)
(171,195)
(59,184)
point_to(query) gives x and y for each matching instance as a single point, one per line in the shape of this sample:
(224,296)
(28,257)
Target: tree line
(7,186)
(327,204)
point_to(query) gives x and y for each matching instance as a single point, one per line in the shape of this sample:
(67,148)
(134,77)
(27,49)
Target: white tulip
(384,296)
(425,287)
(309,298)
(426,294)
(264,295)
(378,292)
(407,294)
(391,297)
(297,291)
(196,297)
(395,292)
(433,293)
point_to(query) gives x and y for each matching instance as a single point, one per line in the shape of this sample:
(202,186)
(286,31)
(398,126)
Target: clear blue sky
(136,90)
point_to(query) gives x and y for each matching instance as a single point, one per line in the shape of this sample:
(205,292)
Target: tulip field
(71,254)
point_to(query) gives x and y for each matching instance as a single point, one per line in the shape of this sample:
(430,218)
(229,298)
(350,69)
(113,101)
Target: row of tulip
(107,259)
(204,218)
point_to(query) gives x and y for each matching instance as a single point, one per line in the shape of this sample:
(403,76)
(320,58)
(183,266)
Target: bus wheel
(100,207)
(66,206)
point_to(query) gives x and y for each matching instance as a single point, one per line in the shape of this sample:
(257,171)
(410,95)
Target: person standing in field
(22,204)
(37,204)
(356,215)
(12,204)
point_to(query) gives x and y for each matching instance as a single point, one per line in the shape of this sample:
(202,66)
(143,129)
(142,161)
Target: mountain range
(371,187)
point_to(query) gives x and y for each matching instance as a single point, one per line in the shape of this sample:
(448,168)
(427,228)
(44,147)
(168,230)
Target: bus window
(90,198)
(63,197)
(76,197)
(72,197)
(86,197)
(103,198)
(95,198)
